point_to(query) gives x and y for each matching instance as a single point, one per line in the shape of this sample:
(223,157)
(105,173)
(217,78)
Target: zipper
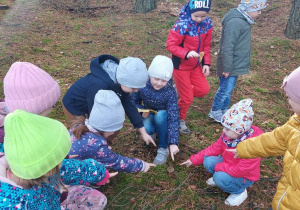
(198,26)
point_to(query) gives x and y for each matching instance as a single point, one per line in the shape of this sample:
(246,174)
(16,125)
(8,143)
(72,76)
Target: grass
(63,44)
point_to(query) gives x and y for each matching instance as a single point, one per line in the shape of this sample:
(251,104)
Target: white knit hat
(161,67)
(132,72)
(107,113)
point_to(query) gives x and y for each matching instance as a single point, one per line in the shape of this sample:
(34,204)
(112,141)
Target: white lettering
(201,4)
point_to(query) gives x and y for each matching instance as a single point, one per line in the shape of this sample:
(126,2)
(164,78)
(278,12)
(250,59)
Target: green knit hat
(34,144)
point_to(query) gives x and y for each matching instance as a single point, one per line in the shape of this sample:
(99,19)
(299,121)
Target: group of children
(45,166)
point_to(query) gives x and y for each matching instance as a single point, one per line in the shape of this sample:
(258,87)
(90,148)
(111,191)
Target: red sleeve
(206,47)
(105,179)
(215,149)
(173,41)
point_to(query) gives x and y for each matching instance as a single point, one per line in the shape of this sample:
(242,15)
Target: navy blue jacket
(79,99)
(163,99)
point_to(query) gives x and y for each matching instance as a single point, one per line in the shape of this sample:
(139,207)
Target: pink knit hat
(29,88)
(291,85)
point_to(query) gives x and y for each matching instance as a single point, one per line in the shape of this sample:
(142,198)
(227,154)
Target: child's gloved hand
(205,70)
(187,163)
(173,150)
(192,54)
(147,166)
(233,151)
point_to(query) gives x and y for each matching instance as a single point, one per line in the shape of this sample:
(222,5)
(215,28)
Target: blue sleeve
(137,99)
(173,118)
(85,172)
(117,162)
(131,111)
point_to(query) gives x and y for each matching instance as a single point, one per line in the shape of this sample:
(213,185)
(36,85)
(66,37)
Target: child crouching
(90,137)
(232,175)
(33,170)
(160,97)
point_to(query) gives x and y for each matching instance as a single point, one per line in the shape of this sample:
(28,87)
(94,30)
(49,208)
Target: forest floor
(62,39)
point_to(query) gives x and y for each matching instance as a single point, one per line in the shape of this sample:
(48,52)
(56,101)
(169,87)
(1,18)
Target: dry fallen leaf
(170,169)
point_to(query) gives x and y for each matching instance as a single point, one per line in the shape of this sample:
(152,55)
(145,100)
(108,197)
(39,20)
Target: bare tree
(292,29)
(144,6)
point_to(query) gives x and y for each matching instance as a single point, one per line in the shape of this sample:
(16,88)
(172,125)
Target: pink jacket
(236,167)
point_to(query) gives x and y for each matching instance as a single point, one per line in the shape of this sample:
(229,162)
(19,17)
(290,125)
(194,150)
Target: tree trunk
(292,29)
(144,6)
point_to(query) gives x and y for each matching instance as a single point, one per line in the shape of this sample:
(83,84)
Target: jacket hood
(96,68)
(233,13)
(186,19)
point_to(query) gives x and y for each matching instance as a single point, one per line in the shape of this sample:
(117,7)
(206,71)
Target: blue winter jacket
(79,99)
(163,99)
(72,172)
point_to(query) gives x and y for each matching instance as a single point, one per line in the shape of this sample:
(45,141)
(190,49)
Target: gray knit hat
(107,113)
(132,72)
(161,67)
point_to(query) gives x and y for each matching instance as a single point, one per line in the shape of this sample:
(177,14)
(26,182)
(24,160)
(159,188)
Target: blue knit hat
(199,5)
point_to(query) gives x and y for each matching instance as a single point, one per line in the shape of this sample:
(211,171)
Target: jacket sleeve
(267,144)
(117,162)
(137,99)
(86,172)
(230,37)
(206,47)
(215,149)
(173,119)
(240,169)
(174,41)
(131,111)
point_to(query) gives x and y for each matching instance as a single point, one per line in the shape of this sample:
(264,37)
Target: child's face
(199,16)
(157,83)
(129,89)
(295,106)
(254,15)
(230,134)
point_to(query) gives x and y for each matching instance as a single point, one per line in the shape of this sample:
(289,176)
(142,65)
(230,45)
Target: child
(108,74)
(234,52)
(232,175)
(283,140)
(190,36)
(160,96)
(29,88)
(89,138)
(33,167)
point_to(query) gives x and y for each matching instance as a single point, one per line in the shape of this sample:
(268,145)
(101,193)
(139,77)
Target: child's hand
(112,175)
(188,163)
(147,138)
(225,74)
(145,115)
(205,70)
(233,151)
(173,150)
(192,54)
(147,166)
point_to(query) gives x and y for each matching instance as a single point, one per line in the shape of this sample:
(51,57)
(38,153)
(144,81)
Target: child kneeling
(159,96)
(232,175)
